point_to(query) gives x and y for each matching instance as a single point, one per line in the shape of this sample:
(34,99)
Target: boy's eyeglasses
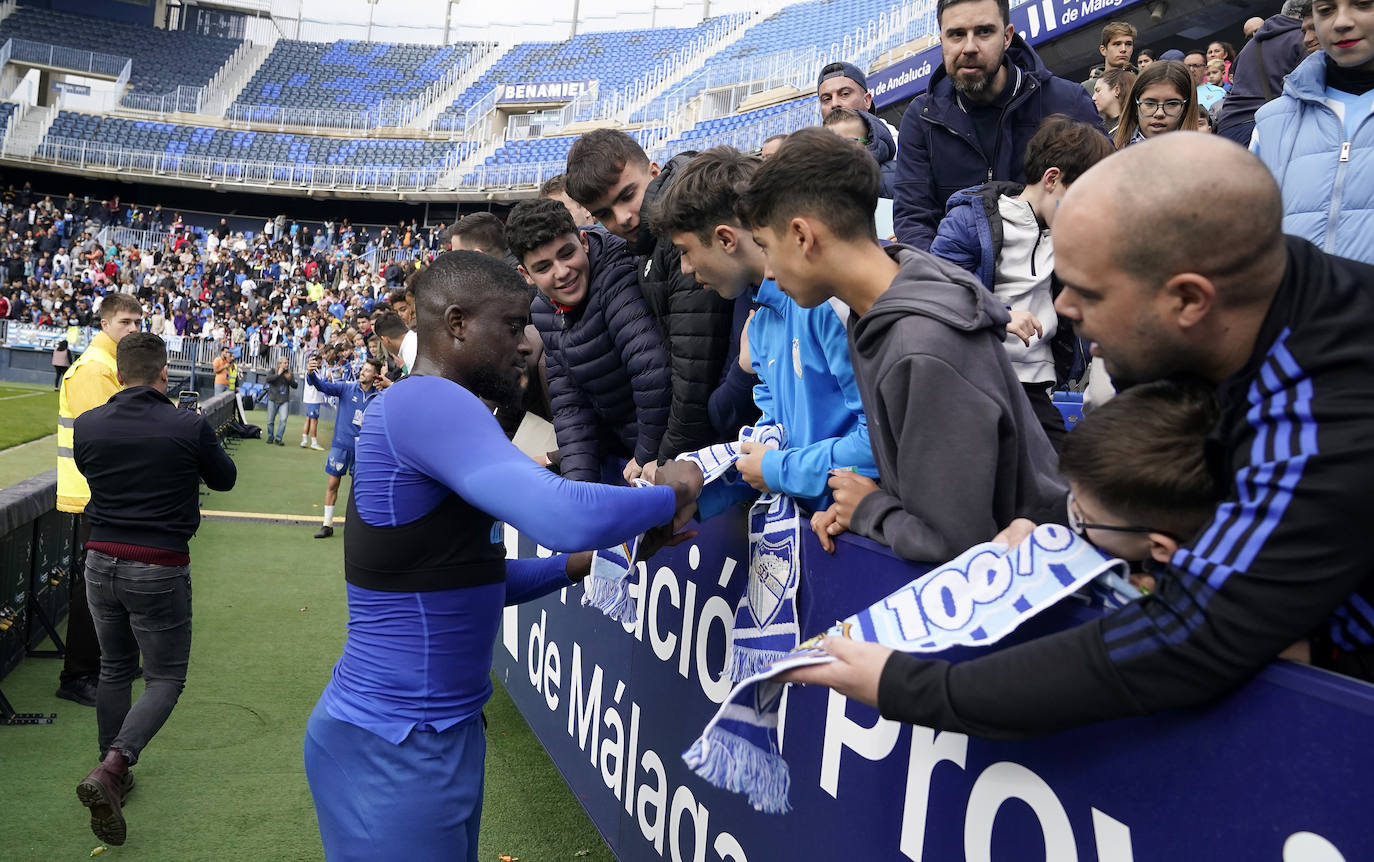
(1172,107)
(1081,527)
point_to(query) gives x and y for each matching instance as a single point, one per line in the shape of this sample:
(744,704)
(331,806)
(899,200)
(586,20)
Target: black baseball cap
(843,70)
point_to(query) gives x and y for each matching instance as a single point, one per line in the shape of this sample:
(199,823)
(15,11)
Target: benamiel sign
(1277,772)
(562,91)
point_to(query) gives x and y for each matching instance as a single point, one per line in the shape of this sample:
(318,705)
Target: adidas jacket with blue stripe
(1286,555)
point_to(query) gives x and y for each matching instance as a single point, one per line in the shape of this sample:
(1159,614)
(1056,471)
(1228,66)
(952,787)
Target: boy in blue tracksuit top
(354,396)
(801,355)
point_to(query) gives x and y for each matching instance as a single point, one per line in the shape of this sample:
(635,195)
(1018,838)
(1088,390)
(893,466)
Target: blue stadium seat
(347,75)
(162,59)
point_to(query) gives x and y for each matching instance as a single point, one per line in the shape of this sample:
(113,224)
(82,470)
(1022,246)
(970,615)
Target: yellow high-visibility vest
(98,381)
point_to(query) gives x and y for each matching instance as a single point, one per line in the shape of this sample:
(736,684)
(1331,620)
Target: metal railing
(186,98)
(58,56)
(96,156)
(143,239)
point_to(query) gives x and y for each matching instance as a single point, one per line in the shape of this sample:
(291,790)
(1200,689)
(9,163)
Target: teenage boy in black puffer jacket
(611,175)
(608,369)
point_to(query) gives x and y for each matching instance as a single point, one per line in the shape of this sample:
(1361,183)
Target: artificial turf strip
(27,459)
(224,780)
(27,411)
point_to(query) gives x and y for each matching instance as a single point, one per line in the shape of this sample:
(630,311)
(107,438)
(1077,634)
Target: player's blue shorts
(339,462)
(312,411)
(419,800)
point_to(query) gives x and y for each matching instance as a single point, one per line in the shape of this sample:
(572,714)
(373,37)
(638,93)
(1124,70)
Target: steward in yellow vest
(90,382)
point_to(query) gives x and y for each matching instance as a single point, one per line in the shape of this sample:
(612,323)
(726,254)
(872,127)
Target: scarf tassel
(729,761)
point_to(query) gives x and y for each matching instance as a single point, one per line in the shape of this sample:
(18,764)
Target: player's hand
(826,528)
(1015,533)
(657,538)
(632,471)
(686,479)
(848,488)
(1023,325)
(855,672)
(750,466)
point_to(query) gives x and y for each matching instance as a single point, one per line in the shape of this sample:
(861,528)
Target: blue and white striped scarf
(974,600)
(766,627)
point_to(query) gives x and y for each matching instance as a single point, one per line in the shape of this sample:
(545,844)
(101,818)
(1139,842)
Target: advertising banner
(1277,771)
(34,337)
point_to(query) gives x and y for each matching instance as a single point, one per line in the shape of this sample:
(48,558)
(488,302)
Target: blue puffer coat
(938,151)
(1327,181)
(608,369)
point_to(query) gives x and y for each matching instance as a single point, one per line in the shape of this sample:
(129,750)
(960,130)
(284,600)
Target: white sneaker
(304,443)
(314,444)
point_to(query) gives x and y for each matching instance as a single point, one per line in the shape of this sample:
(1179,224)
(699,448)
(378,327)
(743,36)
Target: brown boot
(102,792)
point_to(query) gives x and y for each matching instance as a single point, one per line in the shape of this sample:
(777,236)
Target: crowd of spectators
(298,285)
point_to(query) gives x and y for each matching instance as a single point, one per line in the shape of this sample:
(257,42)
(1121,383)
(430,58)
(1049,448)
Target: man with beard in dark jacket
(1257,75)
(610,175)
(957,445)
(972,125)
(608,371)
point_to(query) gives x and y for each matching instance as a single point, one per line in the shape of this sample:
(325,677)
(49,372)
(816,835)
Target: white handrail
(98,157)
(76,59)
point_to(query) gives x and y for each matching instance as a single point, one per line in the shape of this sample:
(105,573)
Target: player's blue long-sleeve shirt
(353,401)
(422,659)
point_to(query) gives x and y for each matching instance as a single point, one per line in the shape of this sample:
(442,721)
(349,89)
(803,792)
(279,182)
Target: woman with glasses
(1111,95)
(1162,100)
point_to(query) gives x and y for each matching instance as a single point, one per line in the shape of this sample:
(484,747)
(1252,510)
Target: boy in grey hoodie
(957,446)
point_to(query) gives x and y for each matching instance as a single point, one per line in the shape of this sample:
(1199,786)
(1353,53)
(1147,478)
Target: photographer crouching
(143,459)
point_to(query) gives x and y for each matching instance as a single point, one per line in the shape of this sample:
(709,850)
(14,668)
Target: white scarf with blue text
(974,600)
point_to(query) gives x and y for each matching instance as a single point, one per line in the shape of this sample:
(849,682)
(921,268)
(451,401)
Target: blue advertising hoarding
(1037,21)
(1281,770)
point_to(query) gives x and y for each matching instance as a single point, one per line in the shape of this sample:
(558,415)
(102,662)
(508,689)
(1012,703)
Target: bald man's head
(1144,275)
(1154,205)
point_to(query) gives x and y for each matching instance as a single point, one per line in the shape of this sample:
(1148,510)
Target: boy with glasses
(1140,479)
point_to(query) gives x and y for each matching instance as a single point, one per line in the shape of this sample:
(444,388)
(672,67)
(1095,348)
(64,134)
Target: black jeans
(138,606)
